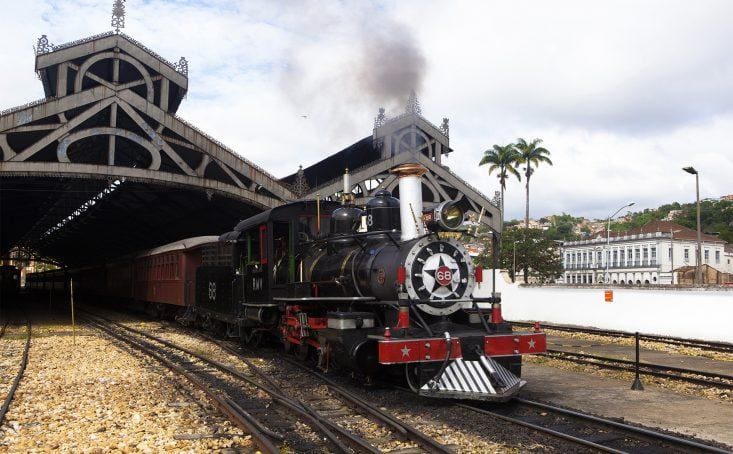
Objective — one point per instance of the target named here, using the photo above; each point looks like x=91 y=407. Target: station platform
x=654 y=407
x=621 y=351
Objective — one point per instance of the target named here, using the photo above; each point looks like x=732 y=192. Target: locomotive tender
x=378 y=291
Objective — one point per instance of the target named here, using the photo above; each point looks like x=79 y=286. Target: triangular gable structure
x=406 y=138
x=110 y=109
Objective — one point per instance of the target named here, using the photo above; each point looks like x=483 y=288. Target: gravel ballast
x=96 y=396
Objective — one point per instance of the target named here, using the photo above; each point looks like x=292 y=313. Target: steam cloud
x=392 y=65
x=369 y=65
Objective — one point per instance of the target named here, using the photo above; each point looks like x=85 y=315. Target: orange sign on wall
x=609 y=296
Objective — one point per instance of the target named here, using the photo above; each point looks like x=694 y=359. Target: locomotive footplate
x=469 y=370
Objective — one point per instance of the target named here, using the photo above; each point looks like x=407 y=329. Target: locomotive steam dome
x=345 y=220
x=383 y=212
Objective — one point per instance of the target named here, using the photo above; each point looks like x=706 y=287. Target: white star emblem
x=531 y=344
x=405 y=351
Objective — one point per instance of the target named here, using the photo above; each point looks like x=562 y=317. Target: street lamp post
x=698 y=255
x=608 y=240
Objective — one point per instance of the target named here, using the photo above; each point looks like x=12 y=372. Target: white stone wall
x=700 y=314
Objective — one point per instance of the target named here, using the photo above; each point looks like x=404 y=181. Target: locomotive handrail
x=327 y=298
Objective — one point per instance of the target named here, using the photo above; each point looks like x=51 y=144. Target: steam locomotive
x=378 y=290
x=375 y=290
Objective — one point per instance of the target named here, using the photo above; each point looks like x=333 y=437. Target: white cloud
x=623 y=93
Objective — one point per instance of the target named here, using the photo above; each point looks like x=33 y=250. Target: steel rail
x=324 y=425
x=628 y=427
x=406 y=430
x=724 y=347
x=411 y=432
x=270 y=382
x=538 y=428
x=21 y=371
x=644 y=368
x=243 y=420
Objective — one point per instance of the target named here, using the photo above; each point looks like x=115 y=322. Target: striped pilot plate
x=484 y=379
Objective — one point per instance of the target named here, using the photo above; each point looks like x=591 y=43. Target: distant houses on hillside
x=660 y=252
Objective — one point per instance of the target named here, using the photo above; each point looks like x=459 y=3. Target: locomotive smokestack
x=410 y=199
x=347 y=198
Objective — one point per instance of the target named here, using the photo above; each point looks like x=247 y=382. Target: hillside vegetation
x=716 y=217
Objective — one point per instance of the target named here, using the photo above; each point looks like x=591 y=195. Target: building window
x=622 y=253
x=670 y=253
x=598 y=257
x=707 y=255
x=687 y=254
x=717 y=256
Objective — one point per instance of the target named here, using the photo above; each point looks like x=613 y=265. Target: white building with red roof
x=643 y=256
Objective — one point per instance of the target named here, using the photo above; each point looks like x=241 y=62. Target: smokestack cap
x=409 y=169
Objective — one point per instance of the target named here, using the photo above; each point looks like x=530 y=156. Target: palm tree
x=502 y=158
x=530 y=153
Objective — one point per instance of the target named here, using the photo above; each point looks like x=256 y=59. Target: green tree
x=503 y=159
x=530 y=154
x=534 y=252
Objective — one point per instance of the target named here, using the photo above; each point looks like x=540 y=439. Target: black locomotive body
x=341 y=285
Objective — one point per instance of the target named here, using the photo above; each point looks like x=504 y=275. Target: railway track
x=590 y=431
x=326 y=414
x=658 y=370
x=21 y=369
x=723 y=347
x=194 y=373
x=350 y=400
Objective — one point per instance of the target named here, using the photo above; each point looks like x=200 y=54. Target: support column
x=164 y=88
x=116 y=67
x=61 y=80
x=112 y=137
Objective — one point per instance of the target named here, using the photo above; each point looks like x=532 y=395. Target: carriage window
x=282 y=252
x=263 y=244
x=251 y=252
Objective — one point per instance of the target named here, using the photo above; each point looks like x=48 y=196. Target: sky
x=623 y=93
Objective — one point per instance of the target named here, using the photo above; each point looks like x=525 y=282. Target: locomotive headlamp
x=445 y=216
